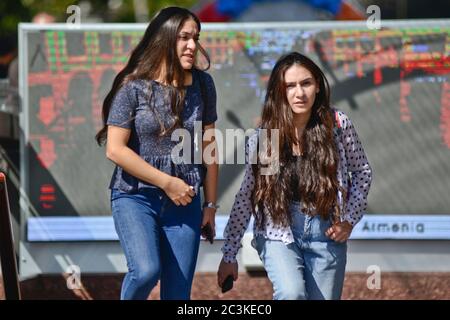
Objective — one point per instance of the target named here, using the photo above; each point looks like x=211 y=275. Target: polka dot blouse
x=354 y=174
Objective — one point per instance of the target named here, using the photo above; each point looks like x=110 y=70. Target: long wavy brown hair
x=317 y=170
x=157 y=51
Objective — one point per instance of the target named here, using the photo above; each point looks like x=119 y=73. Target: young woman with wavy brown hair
x=306 y=208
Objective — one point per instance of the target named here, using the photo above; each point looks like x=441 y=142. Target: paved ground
x=433 y=286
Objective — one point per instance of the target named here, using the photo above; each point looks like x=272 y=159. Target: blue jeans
x=312 y=267
x=160 y=241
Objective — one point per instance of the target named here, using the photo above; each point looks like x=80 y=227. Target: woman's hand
x=340 y=231
x=179 y=191
x=225 y=269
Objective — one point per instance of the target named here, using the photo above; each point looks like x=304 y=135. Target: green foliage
x=12 y=12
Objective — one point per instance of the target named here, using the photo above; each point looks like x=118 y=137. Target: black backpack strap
x=202 y=87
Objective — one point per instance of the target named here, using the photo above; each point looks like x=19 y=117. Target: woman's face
x=301 y=89
x=187 y=43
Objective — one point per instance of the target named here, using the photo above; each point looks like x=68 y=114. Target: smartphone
x=227 y=285
x=207 y=232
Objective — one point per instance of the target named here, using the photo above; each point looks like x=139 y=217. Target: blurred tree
x=11 y=13
x=14 y=11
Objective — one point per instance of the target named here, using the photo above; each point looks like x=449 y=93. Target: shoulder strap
x=202 y=88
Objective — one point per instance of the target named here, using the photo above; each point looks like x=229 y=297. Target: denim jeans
x=312 y=267
x=160 y=242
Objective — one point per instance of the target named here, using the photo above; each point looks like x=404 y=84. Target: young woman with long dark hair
x=305 y=210
x=155 y=200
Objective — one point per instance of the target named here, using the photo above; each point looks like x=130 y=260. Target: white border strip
x=208 y=26
x=101 y=228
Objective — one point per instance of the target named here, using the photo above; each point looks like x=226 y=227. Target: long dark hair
x=317 y=171
x=157 y=50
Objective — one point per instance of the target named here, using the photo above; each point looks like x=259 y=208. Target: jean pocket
x=258 y=243
x=115 y=193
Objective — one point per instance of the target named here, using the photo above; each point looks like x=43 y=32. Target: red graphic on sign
x=47 y=155
x=405 y=90
x=47 y=110
x=445 y=115
x=47 y=194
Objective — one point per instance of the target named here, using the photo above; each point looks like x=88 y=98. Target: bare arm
x=211 y=179
x=210 y=184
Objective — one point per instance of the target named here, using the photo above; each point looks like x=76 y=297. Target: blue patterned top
x=140 y=105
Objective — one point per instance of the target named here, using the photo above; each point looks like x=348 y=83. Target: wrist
x=229 y=258
x=348 y=227
x=348 y=223
x=164 y=181
x=210 y=205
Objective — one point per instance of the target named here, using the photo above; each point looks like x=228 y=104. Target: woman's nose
x=191 y=44
x=299 y=90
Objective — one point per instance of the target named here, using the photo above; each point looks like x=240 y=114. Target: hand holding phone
x=227 y=285
x=207 y=232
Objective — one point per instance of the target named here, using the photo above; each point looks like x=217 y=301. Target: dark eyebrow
x=304 y=80
x=188 y=33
